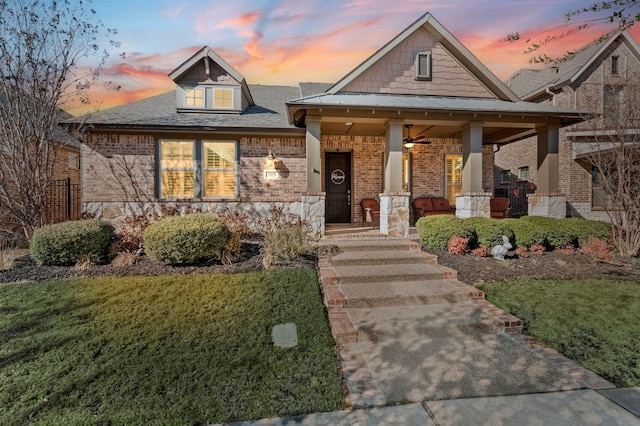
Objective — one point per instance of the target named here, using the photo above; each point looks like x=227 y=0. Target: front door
x=337 y=185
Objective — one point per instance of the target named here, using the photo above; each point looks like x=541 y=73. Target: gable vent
x=423 y=66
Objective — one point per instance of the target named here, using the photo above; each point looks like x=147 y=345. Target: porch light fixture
x=408 y=145
x=272 y=162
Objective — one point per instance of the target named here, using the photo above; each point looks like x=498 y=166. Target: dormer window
x=223 y=98
x=194 y=97
x=208 y=97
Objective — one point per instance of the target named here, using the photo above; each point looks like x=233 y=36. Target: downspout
x=553 y=95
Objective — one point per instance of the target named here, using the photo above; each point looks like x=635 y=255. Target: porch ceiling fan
x=409 y=141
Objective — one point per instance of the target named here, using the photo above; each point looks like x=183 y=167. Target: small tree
x=613 y=151
x=614 y=14
x=42 y=45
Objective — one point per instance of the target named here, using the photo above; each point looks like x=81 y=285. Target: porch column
x=314 y=183
x=547 y=200
x=473 y=201
x=394 y=202
x=313 y=201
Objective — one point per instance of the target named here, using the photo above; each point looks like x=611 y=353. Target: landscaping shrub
x=557 y=232
x=522 y=252
x=536 y=249
x=597 y=249
x=489 y=231
x=482 y=251
x=436 y=231
x=525 y=233
x=285 y=237
x=68 y=243
x=458 y=245
x=186 y=239
x=584 y=229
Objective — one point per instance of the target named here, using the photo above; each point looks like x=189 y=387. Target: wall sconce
x=272 y=162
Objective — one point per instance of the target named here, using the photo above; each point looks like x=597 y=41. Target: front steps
x=388 y=289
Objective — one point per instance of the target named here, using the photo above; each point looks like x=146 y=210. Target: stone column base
x=394 y=214
x=548 y=205
x=473 y=205
x=313 y=212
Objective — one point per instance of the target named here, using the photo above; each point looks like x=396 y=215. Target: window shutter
x=423 y=66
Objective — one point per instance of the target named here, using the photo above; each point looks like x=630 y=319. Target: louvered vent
x=423 y=66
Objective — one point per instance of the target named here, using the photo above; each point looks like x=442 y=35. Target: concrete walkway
x=419 y=347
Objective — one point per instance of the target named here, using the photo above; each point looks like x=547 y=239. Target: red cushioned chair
x=370 y=210
x=500 y=207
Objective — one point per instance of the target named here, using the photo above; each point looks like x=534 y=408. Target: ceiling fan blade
x=418 y=138
x=422 y=142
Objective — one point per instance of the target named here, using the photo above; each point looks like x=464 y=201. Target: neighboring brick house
x=64 y=201
x=591 y=80
x=317 y=150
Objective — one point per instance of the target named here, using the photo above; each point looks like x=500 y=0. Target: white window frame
x=198 y=169
x=192 y=95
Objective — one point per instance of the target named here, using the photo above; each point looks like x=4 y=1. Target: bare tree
x=613 y=151
x=42 y=46
x=614 y=14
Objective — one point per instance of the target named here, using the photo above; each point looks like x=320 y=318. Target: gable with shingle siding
x=395 y=73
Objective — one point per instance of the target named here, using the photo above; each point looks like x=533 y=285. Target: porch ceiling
x=432 y=117
x=492 y=132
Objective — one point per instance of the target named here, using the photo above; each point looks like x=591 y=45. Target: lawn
x=180 y=349
x=595 y=322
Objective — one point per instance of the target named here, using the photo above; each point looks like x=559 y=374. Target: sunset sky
x=283 y=42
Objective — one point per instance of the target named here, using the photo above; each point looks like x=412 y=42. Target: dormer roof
x=211 y=61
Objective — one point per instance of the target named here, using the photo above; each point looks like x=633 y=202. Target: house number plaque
x=337 y=177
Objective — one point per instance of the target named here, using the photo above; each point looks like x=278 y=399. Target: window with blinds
x=197 y=169
x=453 y=176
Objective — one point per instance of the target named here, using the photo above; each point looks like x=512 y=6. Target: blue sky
x=286 y=41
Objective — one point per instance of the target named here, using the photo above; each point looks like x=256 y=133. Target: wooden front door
x=337 y=181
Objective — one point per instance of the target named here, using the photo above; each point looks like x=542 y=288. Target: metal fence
x=516 y=192
x=64 y=201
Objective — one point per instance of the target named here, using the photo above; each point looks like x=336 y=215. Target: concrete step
x=408 y=293
x=387 y=273
x=373 y=244
x=428 y=321
x=353 y=258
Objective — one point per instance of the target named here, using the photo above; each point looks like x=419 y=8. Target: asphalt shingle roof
x=308 y=89
x=527 y=82
x=430 y=103
x=269 y=112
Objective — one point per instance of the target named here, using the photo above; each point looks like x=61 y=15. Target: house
x=420 y=117
x=594 y=79
x=63 y=196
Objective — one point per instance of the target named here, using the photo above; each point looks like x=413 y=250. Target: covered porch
x=395 y=148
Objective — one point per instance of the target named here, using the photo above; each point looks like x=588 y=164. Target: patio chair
x=370 y=210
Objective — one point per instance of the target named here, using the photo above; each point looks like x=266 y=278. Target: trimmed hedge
x=436 y=231
x=584 y=230
x=489 y=231
x=186 y=239
x=525 y=234
x=68 y=243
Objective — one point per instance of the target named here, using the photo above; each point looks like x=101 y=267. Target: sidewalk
x=418 y=347
x=571 y=408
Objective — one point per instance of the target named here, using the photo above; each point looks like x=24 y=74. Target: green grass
x=594 y=322
x=188 y=349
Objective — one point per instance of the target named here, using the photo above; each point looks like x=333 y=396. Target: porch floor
x=355 y=230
